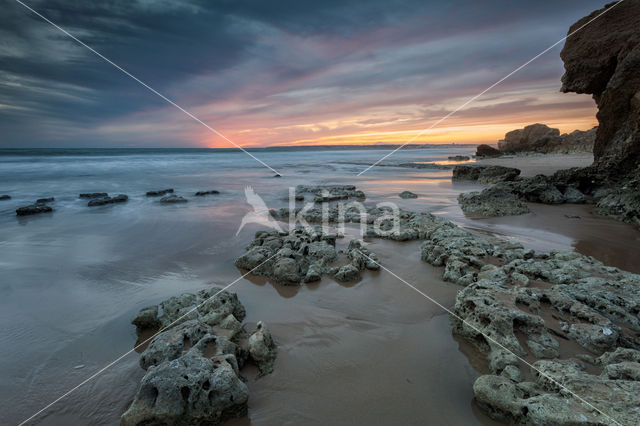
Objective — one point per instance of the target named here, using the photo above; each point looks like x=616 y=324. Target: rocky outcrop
x=536 y=138
x=304 y=255
x=193 y=364
x=93 y=195
x=603 y=61
x=5 y=197
x=487 y=151
x=485 y=174
x=459 y=158
x=544 y=139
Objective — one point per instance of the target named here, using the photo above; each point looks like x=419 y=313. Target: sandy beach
x=344 y=350
x=539 y=164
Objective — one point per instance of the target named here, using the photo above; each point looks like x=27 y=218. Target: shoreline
x=190 y=241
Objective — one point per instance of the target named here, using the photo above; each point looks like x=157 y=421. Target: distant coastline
x=129 y=151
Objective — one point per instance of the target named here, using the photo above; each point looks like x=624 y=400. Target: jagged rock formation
x=193 y=365
x=544 y=139
x=603 y=60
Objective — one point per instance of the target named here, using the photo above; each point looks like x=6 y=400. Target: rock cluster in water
x=305 y=255
x=193 y=364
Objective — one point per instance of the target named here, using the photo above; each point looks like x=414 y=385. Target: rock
x=190 y=390
x=172 y=199
x=286 y=271
x=147 y=319
x=159 y=192
x=94 y=195
x=203 y=193
x=5 y=197
x=328 y=193
x=577 y=141
x=193 y=363
x=459 y=158
x=407 y=194
x=262 y=349
x=534 y=138
x=574 y=196
x=466 y=172
x=603 y=62
x=541 y=138
x=314 y=273
x=487 y=151
x=485 y=174
x=492 y=201
x=277 y=175
x=33 y=209
x=45 y=200
x=347 y=273
x=107 y=200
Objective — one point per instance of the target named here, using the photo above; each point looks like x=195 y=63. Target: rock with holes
x=194 y=389
x=193 y=361
x=582 y=398
x=262 y=349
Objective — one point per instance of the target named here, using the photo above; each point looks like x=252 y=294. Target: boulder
x=487 y=151
x=534 y=138
x=407 y=194
x=5 y=197
x=262 y=349
x=45 y=200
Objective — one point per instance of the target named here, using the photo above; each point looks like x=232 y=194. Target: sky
x=286 y=72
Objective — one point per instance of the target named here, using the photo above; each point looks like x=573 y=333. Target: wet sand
x=540 y=164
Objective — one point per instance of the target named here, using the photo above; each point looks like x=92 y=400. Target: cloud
x=274 y=73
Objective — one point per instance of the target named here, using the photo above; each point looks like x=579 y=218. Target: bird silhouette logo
x=260 y=213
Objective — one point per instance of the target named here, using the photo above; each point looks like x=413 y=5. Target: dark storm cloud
x=260 y=55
